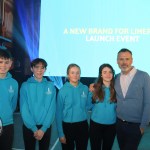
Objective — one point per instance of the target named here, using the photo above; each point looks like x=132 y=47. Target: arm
x=146 y=103
x=89 y=101
x=15 y=97
x=24 y=109
x=59 y=115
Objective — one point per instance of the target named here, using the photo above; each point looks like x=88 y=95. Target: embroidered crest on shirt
x=83 y=94
x=48 y=92
x=11 y=90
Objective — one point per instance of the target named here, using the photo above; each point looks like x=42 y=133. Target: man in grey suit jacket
x=133 y=102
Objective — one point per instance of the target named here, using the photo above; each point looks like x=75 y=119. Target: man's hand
x=91 y=87
x=142 y=130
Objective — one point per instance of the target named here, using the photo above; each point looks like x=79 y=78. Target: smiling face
x=38 y=71
x=124 y=61
x=74 y=75
x=106 y=75
x=5 y=65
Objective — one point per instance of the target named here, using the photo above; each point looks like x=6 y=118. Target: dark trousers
x=30 y=141
x=128 y=135
x=76 y=135
x=6 y=138
x=102 y=136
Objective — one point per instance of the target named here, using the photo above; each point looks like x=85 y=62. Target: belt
x=126 y=122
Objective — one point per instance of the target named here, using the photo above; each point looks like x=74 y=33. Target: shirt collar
x=131 y=73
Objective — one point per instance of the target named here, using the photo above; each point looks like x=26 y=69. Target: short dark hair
x=5 y=54
x=124 y=50
x=37 y=61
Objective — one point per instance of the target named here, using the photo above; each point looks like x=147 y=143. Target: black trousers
x=102 y=136
x=76 y=135
x=6 y=138
x=128 y=135
x=30 y=141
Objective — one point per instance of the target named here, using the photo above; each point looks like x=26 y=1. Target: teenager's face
x=107 y=75
x=74 y=75
x=38 y=71
x=5 y=65
x=124 y=61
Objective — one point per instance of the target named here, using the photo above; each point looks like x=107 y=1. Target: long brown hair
x=98 y=86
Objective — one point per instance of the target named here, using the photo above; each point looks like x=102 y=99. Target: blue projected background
x=90 y=33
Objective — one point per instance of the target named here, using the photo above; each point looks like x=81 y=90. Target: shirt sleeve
x=15 y=97
x=146 y=102
x=89 y=101
x=59 y=115
x=24 y=109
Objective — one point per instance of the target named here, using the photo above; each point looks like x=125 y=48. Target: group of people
x=119 y=105
x=37 y=105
